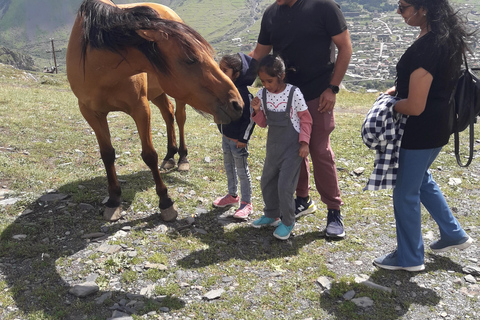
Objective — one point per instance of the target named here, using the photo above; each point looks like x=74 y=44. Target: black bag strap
x=470 y=127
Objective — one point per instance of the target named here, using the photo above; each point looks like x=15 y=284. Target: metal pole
x=54 y=58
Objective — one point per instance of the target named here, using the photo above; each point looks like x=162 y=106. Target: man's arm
x=344 y=45
x=261 y=51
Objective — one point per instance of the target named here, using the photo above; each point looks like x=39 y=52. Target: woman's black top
x=432 y=128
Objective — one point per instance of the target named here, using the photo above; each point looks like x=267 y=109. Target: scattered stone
x=363 y=302
x=84 y=289
x=470 y=279
x=207 y=159
x=53 y=197
x=148 y=290
x=27 y=212
x=359 y=171
x=103 y=298
x=127 y=228
x=107 y=248
x=213 y=294
x=349 y=295
x=454 y=181
x=164 y=309
x=19 y=237
x=368 y=283
x=120 y=234
x=157 y=266
x=93 y=235
x=473 y=270
x=201 y=231
x=9 y=201
x=429 y=236
x=324 y=282
x=190 y=220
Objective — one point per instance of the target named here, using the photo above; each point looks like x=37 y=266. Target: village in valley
x=379 y=39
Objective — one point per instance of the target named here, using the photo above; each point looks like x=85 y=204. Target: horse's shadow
x=405 y=292
x=50 y=230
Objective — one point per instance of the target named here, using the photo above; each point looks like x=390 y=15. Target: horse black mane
x=112 y=28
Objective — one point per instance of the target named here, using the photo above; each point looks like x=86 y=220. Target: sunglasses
x=402 y=8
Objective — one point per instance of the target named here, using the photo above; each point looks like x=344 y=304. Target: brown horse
x=120 y=57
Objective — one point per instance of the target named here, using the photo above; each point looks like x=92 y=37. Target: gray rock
x=93 y=235
x=363 y=302
x=19 y=237
x=324 y=282
x=473 y=270
x=158 y=266
x=106 y=248
x=9 y=201
x=213 y=294
x=370 y=284
x=103 y=298
x=53 y=197
x=470 y=279
x=84 y=289
x=349 y=295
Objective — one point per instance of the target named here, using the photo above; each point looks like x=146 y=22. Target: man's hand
x=327 y=101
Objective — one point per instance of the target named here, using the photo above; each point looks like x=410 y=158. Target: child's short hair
x=272 y=65
x=233 y=61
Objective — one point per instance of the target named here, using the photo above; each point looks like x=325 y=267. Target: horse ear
x=152 y=35
x=148 y=35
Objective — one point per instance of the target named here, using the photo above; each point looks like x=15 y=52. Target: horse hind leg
x=167 y=110
x=150 y=157
x=99 y=125
x=181 y=117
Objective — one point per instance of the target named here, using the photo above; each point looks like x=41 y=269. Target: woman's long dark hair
x=448 y=27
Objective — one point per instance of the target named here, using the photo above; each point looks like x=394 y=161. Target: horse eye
x=191 y=61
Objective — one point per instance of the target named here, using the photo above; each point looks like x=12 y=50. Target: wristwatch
x=335 y=89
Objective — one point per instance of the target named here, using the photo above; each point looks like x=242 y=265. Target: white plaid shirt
x=382 y=131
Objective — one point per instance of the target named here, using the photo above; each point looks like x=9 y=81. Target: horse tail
x=115 y=29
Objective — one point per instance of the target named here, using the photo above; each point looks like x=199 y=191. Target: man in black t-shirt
x=303 y=32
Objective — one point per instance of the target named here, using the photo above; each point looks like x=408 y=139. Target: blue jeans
x=235 y=162
x=415 y=185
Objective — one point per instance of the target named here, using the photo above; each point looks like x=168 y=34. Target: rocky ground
x=56 y=264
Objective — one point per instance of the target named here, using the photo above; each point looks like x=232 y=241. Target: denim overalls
x=282 y=163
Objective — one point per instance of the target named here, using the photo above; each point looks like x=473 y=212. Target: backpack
x=466 y=100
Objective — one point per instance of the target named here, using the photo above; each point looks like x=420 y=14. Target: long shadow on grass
x=388 y=306
x=243 y=243
x=53 y=230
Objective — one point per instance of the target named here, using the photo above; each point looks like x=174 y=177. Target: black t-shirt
x=301 y=35
x=432 y=128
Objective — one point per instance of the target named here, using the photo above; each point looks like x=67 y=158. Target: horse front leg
x=99 y=125
x=150 y=157
x=181 y=117
x=167 y=110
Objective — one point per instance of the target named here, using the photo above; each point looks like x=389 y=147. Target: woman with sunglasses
x=426 y=75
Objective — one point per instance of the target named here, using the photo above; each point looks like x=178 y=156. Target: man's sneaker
x=334 y=224
x=304 y=206
x=389 y=262
x=244 y=211
x=228 y=200
x=266 y=222
x=283 y=232
x=442 y=246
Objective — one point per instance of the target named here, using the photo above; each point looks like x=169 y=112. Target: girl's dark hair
x=448 y=27
x=272 y=65
x=233 y=61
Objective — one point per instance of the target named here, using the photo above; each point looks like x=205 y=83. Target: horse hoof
x=168 y=164
x=112 y=214
x=168 y=214
x=183 y=165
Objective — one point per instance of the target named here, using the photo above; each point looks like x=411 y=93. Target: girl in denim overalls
x=282 y=107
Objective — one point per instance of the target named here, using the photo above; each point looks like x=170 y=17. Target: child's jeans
x=235 y=162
